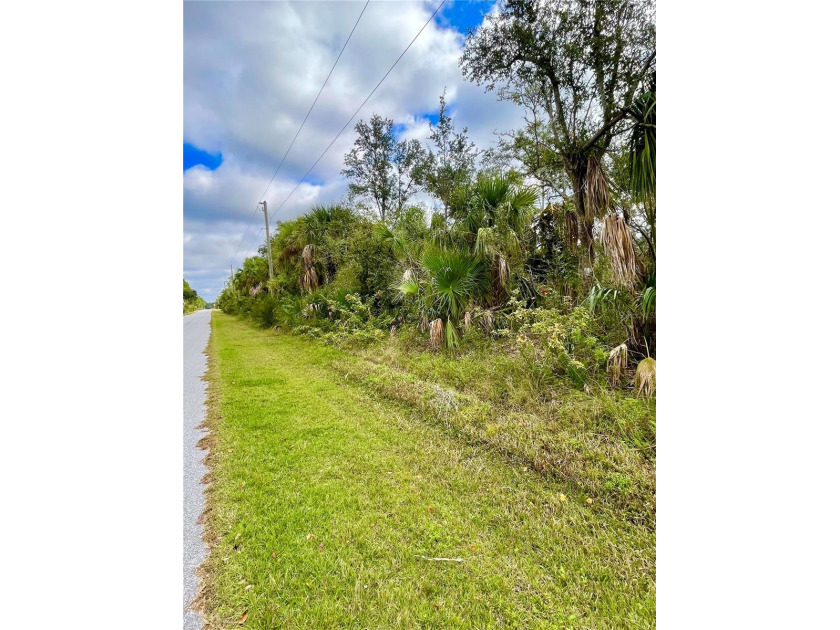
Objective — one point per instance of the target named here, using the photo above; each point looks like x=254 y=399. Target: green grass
x=324 y=493
x=602 y=441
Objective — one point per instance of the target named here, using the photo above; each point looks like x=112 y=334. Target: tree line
x=192 y=301
x=549 y=237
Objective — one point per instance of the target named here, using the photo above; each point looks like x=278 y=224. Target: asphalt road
x=196 y=334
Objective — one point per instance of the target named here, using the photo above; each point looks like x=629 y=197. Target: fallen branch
x=441 y=559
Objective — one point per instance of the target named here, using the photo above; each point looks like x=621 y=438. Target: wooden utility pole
x=268 y=242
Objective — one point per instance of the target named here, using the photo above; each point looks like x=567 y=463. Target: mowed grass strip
x=324 y=499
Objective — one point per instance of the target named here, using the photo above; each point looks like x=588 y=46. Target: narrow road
x=196 y=334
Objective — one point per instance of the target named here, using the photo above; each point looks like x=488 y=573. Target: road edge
x=212 y=416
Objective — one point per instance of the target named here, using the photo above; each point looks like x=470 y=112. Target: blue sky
x=464 y=14
x=193 y=156
x=460 y=14
x=247 y=88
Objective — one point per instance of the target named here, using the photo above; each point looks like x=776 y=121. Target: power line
x=359 y=109
x=311 y=107
x=246 y=232
x=352 y=117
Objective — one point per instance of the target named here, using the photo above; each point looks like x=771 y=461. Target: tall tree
x=408 y=162
x=381 y=169
x=451 y=160
x=583 y=62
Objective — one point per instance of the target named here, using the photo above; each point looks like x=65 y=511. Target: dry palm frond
x=307 y=255
x=597 y=189
x=572 y=235
x=424 y=323
x=618 y=242
x=436 y=333
x=646 y=377
x=487 y=321
x=310 y=279
x=467 y=319
x=408 y=275
x=485 y=241
x=255 y=290
x=617 y=363
x=504 y=271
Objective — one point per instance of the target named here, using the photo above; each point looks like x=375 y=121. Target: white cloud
x=251 y=71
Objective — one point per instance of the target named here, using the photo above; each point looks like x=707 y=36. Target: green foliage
x=382 y=169
x=566 y=343
x=265 y=311
x=326 y=464
x=189 y=292
x=491 y=263
x=524 y=298
x=448 y=166
x=454 y=279
x=648 y=302
x=192 y=301
x=374 y=261
x=443 y=286
x=643 y=145
x=577 y=66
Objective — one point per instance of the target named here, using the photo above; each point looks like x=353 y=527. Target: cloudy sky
x=251 y=72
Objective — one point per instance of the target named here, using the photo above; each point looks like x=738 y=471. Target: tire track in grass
x=325 y=499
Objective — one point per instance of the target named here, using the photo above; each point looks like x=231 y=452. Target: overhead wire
x=311 y=107
x=357 y=110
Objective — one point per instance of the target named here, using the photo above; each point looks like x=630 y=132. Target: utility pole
x=268 y=242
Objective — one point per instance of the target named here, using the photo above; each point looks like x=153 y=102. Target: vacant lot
x=333 y=506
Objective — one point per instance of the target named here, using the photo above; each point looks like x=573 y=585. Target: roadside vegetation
x=192 y=301
x=332 y=506
x=500 y=343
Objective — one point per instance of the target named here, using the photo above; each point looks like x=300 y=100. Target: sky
x=251 y=72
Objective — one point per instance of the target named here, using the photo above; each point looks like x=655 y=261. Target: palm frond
x=647 y=302
x=597 y=189
x=646 y=377
x=485 y=241
x=618 y=243
x=599 y=295
x=307 y=255
x=643 y=146
x=451 y=335
x=436 y=333
x=617 y=363
x=487 y=321
x=409 y=287
x=456 y=277
x=504 y=270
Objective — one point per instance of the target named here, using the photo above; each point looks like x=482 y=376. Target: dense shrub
x=265 y=311
x=563 y=342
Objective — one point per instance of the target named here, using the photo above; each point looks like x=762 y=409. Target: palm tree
x=498 y=212
x=443 y=287
x=643 y=146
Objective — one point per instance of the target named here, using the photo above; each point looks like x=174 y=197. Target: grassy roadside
x=602 y=442
x=324 y=497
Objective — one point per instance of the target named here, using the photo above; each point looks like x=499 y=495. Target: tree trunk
x=578 y=177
